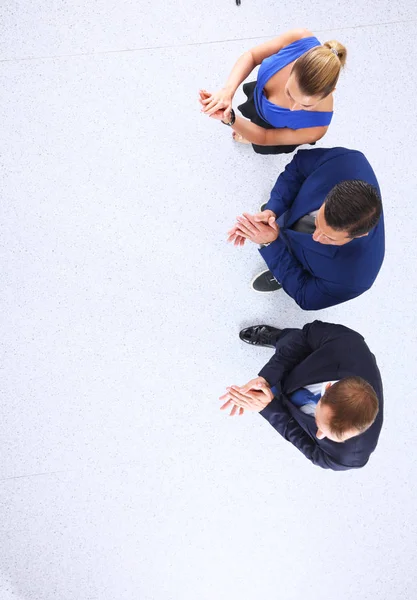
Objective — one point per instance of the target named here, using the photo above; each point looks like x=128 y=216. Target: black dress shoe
x=265 y=282
x=260 y=335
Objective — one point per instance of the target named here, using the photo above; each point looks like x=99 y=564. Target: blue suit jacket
x=320 y=352
x=314 y=274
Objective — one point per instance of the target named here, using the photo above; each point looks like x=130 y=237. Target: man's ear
x=328 y=386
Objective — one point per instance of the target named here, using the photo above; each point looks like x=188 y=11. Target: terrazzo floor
x=121 y=304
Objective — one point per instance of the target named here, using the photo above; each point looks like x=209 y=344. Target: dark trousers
x=248 y=110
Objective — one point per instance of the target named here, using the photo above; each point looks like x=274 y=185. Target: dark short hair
x=353 y=206
x=354 y=405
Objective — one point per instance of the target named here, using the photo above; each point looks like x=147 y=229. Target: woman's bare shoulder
x=326 y=105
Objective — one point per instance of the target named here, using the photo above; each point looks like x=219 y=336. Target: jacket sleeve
x=319 y=333
x=281 y=419
x=292 y=178
x=309 y=292
x=294 y=345
x=292 y=348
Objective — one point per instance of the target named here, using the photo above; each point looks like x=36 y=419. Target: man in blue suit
x=322 y=230
x=321 y=390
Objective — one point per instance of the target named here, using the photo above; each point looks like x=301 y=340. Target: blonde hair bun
x=317 y=71
x=338 y=49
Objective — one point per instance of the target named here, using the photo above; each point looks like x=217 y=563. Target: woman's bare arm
x=259 y=53
x=222 y=99
x=277 y=137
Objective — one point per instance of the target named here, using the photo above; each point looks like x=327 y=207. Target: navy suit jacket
x=314 y=274
x=320 y=352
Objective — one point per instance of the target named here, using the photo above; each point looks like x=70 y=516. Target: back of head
x=318 y=70
x=353 y=403
x=353 y=206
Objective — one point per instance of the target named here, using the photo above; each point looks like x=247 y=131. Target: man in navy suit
x=322 y=391
x=322 y=230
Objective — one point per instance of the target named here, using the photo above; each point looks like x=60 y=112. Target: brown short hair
x=354 y=405
x=318 y=70
x=353 y=206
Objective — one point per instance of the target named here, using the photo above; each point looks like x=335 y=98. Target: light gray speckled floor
x=121 y=304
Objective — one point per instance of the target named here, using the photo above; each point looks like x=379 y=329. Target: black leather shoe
x=265 y=282
x=260 y=335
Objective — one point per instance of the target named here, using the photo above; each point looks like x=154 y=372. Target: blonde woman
x=291 y=103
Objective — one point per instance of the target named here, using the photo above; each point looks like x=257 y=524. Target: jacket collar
x=306 y=240
x=328 y=374
x=287 y=220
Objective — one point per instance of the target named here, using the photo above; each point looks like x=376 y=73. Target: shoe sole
x=259 y=292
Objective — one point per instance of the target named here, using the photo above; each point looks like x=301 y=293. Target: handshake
x=261 y=228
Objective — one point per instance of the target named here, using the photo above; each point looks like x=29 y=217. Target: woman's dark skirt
x=248 y=110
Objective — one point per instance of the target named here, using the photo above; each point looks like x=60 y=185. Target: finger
x=248 y=386
x=250 y=395
x=241 y=411
x=206 y=109
x=267 y=393
x=210 y=108
x=211 y=105
x=245 y=227
x=247 y=398
x=241 y=403
x=236 y=394
x=255 y=227
x=228 y=113
x=218 y=115
x=261 y=217
x=243 y=233
x=226 y=396
x=210 y=111
x=255 y=384
x=237 y=238
x=255 y=224
x=250 y=226
x=227 y=405
x=234 y=410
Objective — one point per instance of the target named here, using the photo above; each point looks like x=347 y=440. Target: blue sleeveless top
x=275 y=115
